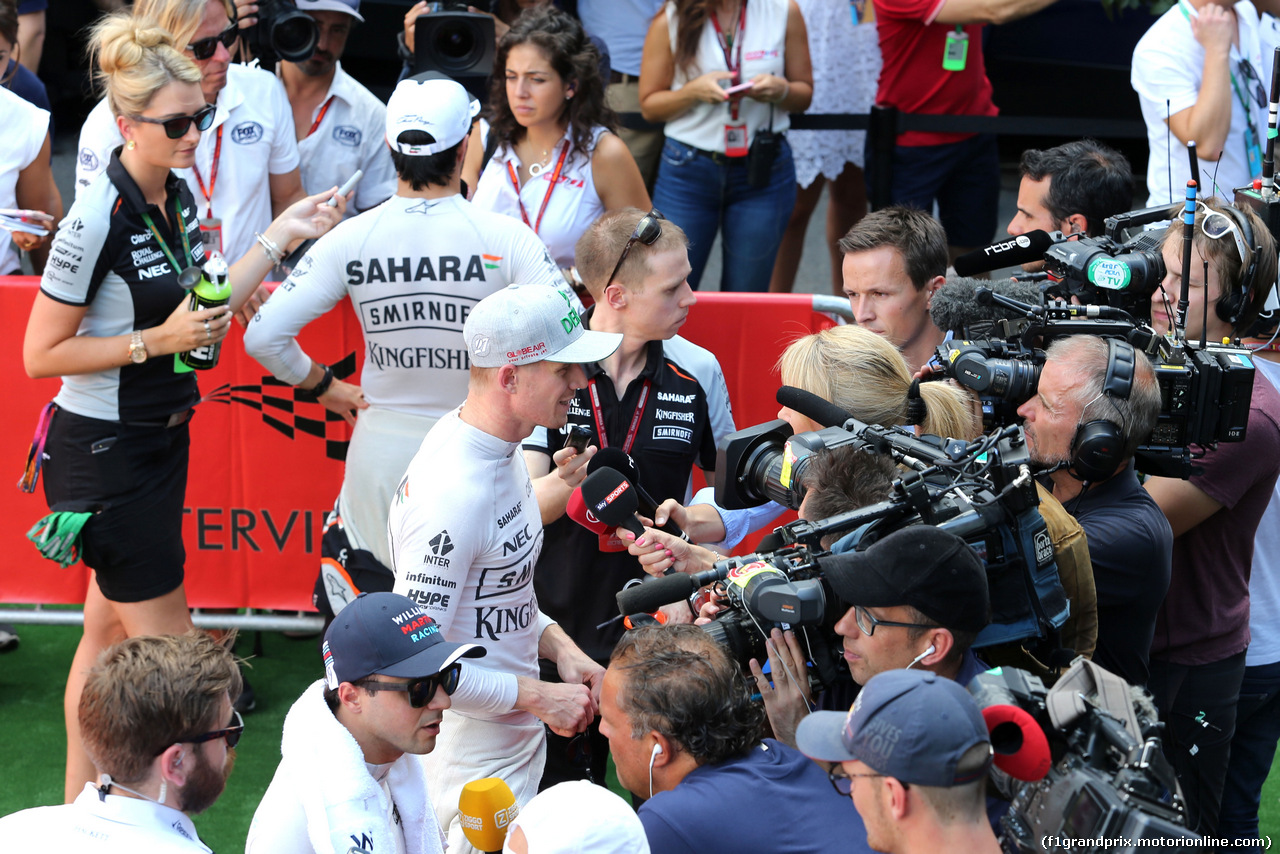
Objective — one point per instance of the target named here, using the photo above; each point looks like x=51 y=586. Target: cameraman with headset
x=1202 y=630
x=1096 y=401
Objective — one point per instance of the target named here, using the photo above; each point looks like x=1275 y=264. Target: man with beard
x=156 y=719
x=337 y=121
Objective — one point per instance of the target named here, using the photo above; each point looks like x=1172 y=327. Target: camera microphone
x=612 y=499
x=812 y=406
x=956 y=307
x=652 y=593
x=1015 y=251
x=623 y=463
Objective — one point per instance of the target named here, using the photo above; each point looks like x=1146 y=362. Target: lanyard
x=555 y=179
x=182 y=229
x=635 y=418
x=734 y=66
x=213 y=177
x=319 y=116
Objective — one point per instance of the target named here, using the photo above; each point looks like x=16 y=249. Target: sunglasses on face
x=231 y=733
x=648 y=230
x=206 y=48
x=421 y=691
x=176 y=127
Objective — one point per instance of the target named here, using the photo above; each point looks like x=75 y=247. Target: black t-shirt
x=686 y=412
x=1131 y=547
x=107 y=258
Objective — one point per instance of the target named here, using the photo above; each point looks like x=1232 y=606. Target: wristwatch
x=137 y=349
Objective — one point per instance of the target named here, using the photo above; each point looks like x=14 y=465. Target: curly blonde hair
x=135 y=60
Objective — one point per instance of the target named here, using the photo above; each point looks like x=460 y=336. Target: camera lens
x=294 y=36
x=1012 y=380
x=455 y=46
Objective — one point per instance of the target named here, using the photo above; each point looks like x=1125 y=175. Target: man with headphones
x=1202 y=630
x=1096 y=400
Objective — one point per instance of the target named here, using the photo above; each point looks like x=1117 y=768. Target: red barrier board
x=266 y=467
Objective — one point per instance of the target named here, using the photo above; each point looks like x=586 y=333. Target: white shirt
x=413 y=269
x=257 y=142
x=1168 y=63
x=763 y=52
x=25 y=127
x=574 y=202
x=349 y=137
x=465 y=533
x=91 y=825
x=1264 y=580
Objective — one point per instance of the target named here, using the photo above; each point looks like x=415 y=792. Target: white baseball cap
x=579 y=817
x=351 y=7
x=434 y=104
x=532 y=323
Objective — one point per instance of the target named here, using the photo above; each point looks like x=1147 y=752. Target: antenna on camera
x=1195 y=163
x=1268 y=157
x=1188 y=236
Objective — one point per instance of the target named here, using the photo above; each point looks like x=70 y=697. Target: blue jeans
x=1252 y=749
x=703 y=196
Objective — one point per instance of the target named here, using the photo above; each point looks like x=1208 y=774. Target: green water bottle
x=211 y=290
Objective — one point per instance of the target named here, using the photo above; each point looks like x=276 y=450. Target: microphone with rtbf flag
x=486 y=809
x=1023 y=249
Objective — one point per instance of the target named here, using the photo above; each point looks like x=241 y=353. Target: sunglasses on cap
x=421 y=690
x=206 y=48
x=648 y=230
x=231 y=733
x=176 y=127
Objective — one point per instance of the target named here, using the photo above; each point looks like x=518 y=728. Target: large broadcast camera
x=1082 y=763
x=282 y=32
x=980 y=491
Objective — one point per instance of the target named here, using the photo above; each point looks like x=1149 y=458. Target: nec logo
x=347 y=135
x=246 y=133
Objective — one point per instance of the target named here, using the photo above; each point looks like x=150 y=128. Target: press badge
x=1253 y=150
x=211 y=233
x=956 y=51
x=735 y=140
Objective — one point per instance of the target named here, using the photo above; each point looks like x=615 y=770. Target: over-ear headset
x=1098 y=446
x=1234 y=304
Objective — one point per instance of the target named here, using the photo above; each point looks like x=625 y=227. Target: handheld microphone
x=487 y=807
x=612 y=499
x=955 y=306
x=578 y=512
x=651 y=594
x=623 y=463
x=1022 y=249
x=811 y=406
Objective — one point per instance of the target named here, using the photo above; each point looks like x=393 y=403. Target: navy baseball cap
x=932 y=570
x=389 y=634
x=912 y=725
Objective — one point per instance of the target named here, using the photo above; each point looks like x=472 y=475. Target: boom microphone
x=623 y=463
x=1013 y=252
x=612 y=499
x=486 y=808
x=811 y=406
x=578 y=512
x=955 y=307
x=652 y=593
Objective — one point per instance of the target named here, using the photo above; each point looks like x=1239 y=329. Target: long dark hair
x=574 y=58
x=691 y=17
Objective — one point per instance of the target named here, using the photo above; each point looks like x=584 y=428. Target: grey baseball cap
x=351 y=7
x=521 y=324
x=913 y=725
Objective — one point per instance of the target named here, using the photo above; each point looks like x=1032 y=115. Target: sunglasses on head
x=421 y=690
x=206 y=48
x=176 y=127
x=1218 y=225
x=648 y=230
x=231 y=733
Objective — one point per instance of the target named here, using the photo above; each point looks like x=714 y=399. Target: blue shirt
x=719 y=808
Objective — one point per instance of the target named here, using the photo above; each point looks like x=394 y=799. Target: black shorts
x=133 y=479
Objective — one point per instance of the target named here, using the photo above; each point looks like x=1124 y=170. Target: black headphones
x=1234 y=304
x=1098 y=446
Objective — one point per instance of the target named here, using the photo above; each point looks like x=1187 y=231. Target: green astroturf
x=33 y=743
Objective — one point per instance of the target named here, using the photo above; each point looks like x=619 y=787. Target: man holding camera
x=337 y=121
x=658 y=398
x=465 y=531
x=246 y=169
x=1202 y=630
x=349 y=769
x=913 y=754
x=684 y=734
x=1096 y=401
